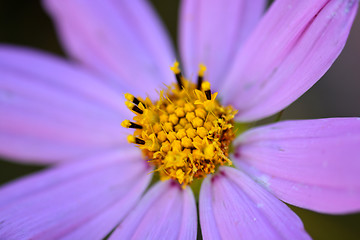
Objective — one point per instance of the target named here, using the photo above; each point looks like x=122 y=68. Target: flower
x=69 y=113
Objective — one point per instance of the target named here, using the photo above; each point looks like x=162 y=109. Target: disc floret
x=186 y=133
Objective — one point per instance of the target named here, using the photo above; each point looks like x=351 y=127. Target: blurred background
x=337 y=94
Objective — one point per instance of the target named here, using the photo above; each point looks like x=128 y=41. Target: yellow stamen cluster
x=185 y=134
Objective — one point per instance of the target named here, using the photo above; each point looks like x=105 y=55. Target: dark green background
x=24 y=22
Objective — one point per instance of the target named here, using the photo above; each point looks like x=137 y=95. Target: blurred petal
x=211 y=32
x=33 y=183
x=313 y=164
x=68 y=201
x=293 y=46
x=165 y=212
x=233 y=206
x=51 y=110
x=124 y=40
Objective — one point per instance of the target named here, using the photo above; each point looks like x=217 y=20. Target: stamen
x=132 y=139
x=201 y=72
x=206 y=87
x=134 y=108
x=186 y=133
x=132 y=99
x=128 y=124
x=178 y=75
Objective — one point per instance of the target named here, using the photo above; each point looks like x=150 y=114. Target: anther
x=132 y=139
x=132 y=99
x=128 y=124
x=206 y=88
x=134 y=108
x=201 y=72
x=178 y=75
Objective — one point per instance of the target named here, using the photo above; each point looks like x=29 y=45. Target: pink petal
x=123 y=40
x=233 y=206
x=51 y=110
x=63 y=171
x=66 y=201
x=313 y=164
x=165 y=212
x=211 y=32
x=293 y=46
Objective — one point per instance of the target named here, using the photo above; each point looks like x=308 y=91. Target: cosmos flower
x=68 y=113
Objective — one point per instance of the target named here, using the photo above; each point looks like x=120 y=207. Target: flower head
x=184 y=124
x=186 y=134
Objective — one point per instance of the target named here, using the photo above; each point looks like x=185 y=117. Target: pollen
x=186 y=133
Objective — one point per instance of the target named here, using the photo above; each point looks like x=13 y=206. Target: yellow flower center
x=185 y=134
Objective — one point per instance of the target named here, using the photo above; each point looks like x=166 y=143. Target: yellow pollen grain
x=201 y=113
x=185 y=134
x=208 y=125
x=168 y=126
x=191 y=132
x=173 y=119
x=189 y=107
x=180 y=103
x=171 y=136
x=187 y=126
x=176 y=146
x=170 y=108
x=197 y=122
x=157 y=127
x=162 y=136
x=181 y=133
x=177 y=127
x=202 y=132
x=165 y=147
x=183 y=122
x=190 y=116
x=164 y=118
x=180 y=112
x=186 y=142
